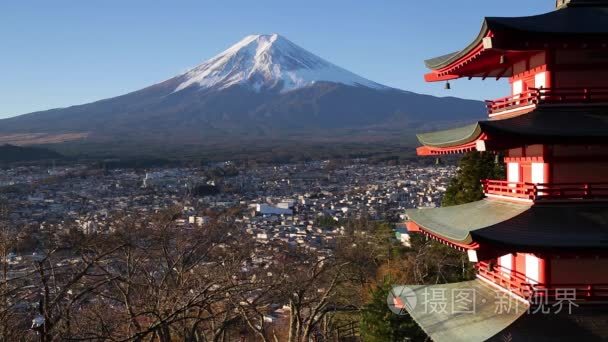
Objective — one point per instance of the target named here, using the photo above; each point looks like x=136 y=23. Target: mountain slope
x=10 y=153
x=263 y=86
x=268 y=62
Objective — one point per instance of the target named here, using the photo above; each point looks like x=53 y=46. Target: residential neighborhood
x=302 y=204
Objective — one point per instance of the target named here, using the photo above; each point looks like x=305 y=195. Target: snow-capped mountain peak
x=268 y=62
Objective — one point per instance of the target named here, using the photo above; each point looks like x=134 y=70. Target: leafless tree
x=12 y=319
x=146 y=278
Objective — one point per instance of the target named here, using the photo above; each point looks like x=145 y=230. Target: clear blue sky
x=59 y=53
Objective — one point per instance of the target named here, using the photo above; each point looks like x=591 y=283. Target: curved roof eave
x=481 y=324
x=547 y=124
x=456 y=223
x=451 y=137
x=445 y=60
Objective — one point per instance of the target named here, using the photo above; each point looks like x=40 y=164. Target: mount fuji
x=269 y=62
x=262 y=87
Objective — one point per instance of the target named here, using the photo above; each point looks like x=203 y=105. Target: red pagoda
x=540 y=237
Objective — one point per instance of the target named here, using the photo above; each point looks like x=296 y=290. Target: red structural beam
x=413 y=227
x=437 y=151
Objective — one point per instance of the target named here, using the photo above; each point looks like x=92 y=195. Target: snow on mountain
x=308 y=98
x=268 y=62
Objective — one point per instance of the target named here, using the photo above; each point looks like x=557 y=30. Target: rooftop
x=492 y=315
x=571 y=21
x=563 y=124
x=480 y=324
x=522 y=225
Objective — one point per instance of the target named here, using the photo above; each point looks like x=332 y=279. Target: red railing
x=570 y=191
x=536 y=96
x=582 y=292
x=546 y=191
x=519 y=284
x=525 y=98
x=515 y=282
x=572 y=95
x=505 y=188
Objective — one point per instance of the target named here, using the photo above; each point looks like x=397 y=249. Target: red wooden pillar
x=549 y=61
x=542 y=269
x=546 y=173
x=547 y=268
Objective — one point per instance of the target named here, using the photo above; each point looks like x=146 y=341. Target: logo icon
x=401 y=299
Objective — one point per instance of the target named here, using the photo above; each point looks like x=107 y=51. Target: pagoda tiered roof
x=543 y=125
x=445 y=325
x=577 y=25
x=552 y=210
x=510 y=224
x=492 y=315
